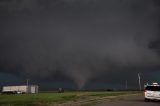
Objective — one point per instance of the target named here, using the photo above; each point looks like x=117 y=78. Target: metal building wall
x=24 y=88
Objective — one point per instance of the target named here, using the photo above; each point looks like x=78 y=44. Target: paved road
x=130 y=101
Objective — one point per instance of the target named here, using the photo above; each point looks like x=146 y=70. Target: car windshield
x=153 y=88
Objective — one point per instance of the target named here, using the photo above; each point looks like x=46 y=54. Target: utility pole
x=139 y=81
x=126 y=85
x=27 y=83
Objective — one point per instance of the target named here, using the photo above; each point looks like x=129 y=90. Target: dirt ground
x=137 y=100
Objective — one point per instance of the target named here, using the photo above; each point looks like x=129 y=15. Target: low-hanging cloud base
x=80 y=39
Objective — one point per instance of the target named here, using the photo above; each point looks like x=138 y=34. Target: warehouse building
x=20 y=89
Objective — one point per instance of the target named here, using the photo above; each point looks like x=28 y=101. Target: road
x=130 y=101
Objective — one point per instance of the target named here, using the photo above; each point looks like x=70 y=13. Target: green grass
x=31 y=99
x=47 y=98
x=104 y=94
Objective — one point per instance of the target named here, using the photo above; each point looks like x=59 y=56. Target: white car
x=18 y=92
x=152 y=92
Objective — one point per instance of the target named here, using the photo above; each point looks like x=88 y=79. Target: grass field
x=44 y=99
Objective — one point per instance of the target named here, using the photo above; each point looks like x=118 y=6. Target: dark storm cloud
x=82 y=39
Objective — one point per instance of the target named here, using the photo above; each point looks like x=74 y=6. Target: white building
x=21 y=88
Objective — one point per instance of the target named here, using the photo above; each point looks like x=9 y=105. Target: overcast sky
x=79 y=43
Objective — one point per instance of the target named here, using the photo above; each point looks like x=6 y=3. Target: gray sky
x=80 y=42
